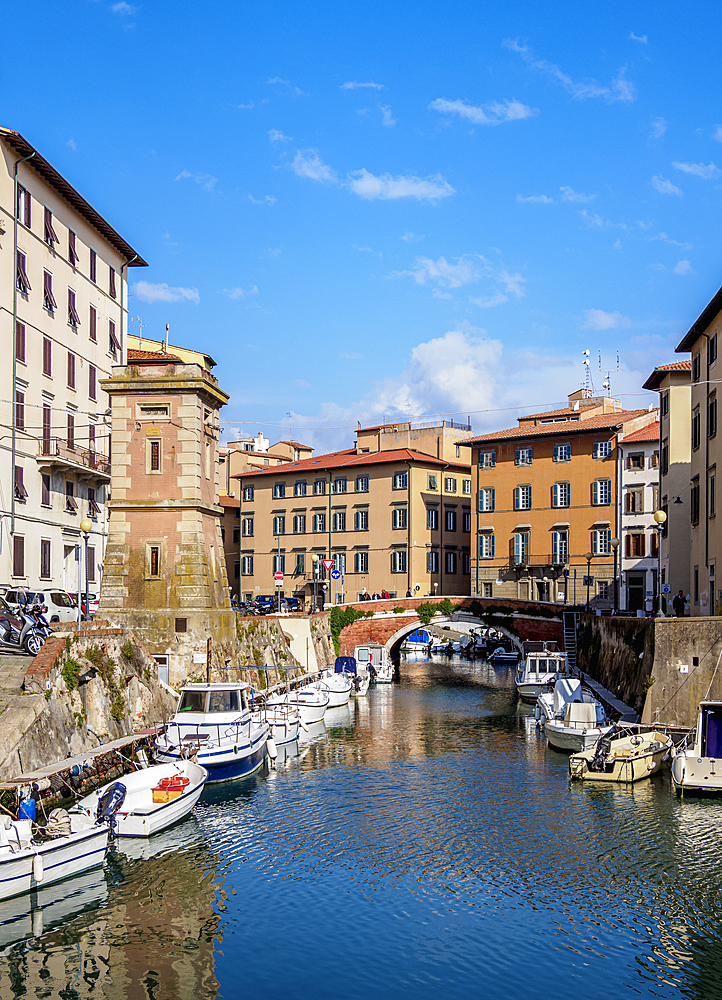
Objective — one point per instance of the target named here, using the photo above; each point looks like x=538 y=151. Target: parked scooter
x=37 y=613
x=21 y=633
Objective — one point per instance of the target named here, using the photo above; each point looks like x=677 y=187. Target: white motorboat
x=311 y=701
x=375 y=659
x=697 y=762
x=214 y=725
x=627 y=753
x=360 y=679
x=284 y=722
x=155 y=798
x=503 y=655
x=541 y=669
x=28 y=862
x=338 y=686
x=572 y=718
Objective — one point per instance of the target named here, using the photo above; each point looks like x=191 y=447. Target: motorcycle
x=21 y=633
x=37 y=613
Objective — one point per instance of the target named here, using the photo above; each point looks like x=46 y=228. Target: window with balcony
x=487 y=499
x=400 y=481
x=432 y=519
x=563 y=452
x=521 y=545
x=299 y=488
x=522 y=498
x=362 y=484
x=487 y=545
x=560 y=547
x=450 y=520
x=339 y=520
x=361 y=562
x=524 y=456
x=248 y=492
x=398 y=561
x=561 y=495
x=399 y=517
x=601 y=492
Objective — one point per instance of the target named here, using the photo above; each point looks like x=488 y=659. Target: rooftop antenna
x=140 y=323
x=589 y=389
x=608 y=372
x=165 y=342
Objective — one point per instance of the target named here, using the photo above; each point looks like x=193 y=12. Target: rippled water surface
x=426 y=843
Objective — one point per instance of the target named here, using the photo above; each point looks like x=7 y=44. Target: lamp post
x=86 y=527
x=660 y=516
x=588 y=557
x=278 y=582
x=314 y=565
x=615 y=546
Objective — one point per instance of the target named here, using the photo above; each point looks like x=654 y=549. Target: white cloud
x=486 y=114
x=267 y=199
x=148 y=292
x=71 y=143
x=350 y=355
x=598 y=319
x=467 y=270
x=617 y=244
x=706 y=171
x=665 y=239
x=287 y=83
x=540 y=199
x=386 y=187
x=387 y=118
x=303 y=384
x=683 y=267
x=637 y=38
x=488 y=303
x=575 y=196
x=717 y=134
x=664 y=186
x=659 y=127
x=123 y=8
x=597 y=222
x=411 y=238
x=277 y=79
x=353 y=85
x=245 y=107
x=619 y=90
x=275 y=136
x=307 y=163
x=240 y=293
x=205 y=180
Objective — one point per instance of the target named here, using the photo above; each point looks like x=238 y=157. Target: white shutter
x=595 y=492
x=517 y=548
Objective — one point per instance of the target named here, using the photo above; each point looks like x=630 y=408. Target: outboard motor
x=109 y=803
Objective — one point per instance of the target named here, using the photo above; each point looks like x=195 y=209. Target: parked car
x=60 y=605
x=93 y=602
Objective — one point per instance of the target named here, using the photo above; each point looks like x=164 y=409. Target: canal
x=426 y=844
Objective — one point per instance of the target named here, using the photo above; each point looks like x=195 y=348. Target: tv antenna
x=608 y=372
x=589 y=389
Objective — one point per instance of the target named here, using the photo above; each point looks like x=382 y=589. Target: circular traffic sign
x=336 y=574
x=278 y=575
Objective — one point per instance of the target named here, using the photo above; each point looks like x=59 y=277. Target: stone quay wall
x=687 y=668
x=619 y=653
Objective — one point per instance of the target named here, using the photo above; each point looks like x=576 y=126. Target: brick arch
x=394 y=641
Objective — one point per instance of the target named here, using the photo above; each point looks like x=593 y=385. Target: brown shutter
x=71 y=431
x=91 y=383
x=20 y=410
x=18 y=555
x=20 y=341
x=72 y=251
x=47 y=428
x=112 y=282
x=71 y=370
x=47 y=356
x=93 y=323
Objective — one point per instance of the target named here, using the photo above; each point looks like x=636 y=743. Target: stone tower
x=164 y=573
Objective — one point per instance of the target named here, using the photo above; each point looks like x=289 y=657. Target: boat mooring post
x=208 y=660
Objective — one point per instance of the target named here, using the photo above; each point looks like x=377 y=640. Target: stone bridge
x=519 y=620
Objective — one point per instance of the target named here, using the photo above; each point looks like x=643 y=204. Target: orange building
x=547 y=499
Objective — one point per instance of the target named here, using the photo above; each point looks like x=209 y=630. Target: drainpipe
x=122 y=268
x=15 y=334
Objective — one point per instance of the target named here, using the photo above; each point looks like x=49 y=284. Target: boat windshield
x=192 y=701
x=363 y=655
x=223 y=701
x=542 y=666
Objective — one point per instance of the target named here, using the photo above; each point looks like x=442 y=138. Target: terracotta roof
x=295 y=444
x=603 y=421
x=225 y=501
x=655 y=379
x=350 y=458
x=648 y=433
x=157 y=356
x=565 y=411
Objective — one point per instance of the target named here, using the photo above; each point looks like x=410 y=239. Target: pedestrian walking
x=678 y=604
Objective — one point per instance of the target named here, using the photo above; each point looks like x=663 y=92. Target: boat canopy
x=581 y=713
x=566 y=690
x=345 y=665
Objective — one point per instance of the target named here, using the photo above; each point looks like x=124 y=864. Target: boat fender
x=235 y=749
x=272 y=748
x=38 y=873
x=537 y=713
x=303 y=725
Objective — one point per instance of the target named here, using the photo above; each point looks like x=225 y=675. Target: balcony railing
x=59 y=450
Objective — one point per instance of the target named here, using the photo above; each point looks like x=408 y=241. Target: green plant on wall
x=127 y=651
x=70 y=673
x=339 y=618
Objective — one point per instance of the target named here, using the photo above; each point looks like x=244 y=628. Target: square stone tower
x=165 y=573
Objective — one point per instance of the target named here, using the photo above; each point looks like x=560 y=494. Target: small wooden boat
x=503 y=655
x=626 y=754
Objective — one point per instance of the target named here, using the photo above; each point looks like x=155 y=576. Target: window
x=93 y=266
x=635 y=462
x=247 y=565
x=487 y=545
x=71 y=370
x=466 y=486
x=339 y=561
x=466 y=521
x=450 y=562
x=664 y=461
x=602 y=449
x=154 y=455
x=563 y=452
x=21 y=278
x=279 y=491
x=450 y=484
x=487 y=459
x=21 y=493
x=93 y=508
x=487 y=499
x=24 y=207
x=319 y=522
x=522 y=498
x=300 y=567
x=654 y=460
x=488 y=592
x=19 y=410
x=601 y=492
x=72 y=248
x=560 y=547
x=695 y=428
x=279 y=524
x=561 y=495
x=47 y=428
x=248 y=492
x=93 y=325
x=361 y=520
x=279 y=563
x=450 y=520
x=339 y=520
x=524 y=456
x=154 y=560
x=695 y=368
x=73 y=318
x=45 y=498
x=432 y=561
x=360 y=562
x=49 y=302
x=247 y=527
x=655 y=496
x=603 y=590
x=339 y=485
x=711 y=496
x=92 y=382
x=712 y=415
x=602 y=542
x=694 y=501
x=635 y=545
x=18 y=555
x=44 y=558
x=634 y=500
x=458 y=451
x=432 y=481
x=113 y=345
x=466 y=562
x=398 y=561
x=432 y=519
x=111 y=282
x=319 y=487
x=299 y=489
x=521 y=547
x=401 y=480
x=20 y=341
x=299 y=524
x=654 y=546
x=362 y=484
x=399 y=517
x=712 y=349
x=664 y=404
x=70 y=502
x=50 y=235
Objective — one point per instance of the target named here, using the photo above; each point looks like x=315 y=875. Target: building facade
x=63 y=275
x=546 y=510
x=638 y=531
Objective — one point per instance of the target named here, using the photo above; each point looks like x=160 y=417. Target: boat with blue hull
x=215 y=726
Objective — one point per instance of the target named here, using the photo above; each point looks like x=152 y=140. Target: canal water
x=427 y=843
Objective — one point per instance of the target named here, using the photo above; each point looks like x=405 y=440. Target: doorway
x=635 y=592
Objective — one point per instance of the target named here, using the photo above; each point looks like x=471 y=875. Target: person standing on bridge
x=678 y=604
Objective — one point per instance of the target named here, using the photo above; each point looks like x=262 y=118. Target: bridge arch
x=393 y=643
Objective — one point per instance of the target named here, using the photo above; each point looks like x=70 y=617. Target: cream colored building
x=63 y=275
x=393 y=513
x=638 y=455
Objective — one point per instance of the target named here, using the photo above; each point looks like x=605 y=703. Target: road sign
x=336 y=574
x=278 y=576
x=666 y=588
x=327 y=563
x=588 y=581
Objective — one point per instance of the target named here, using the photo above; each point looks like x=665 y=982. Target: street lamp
x=615 y=546
x=86 y=527
x=588 y=557
x=660 y=516
x=314 y=565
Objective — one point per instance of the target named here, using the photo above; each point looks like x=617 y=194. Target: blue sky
x=367 y=212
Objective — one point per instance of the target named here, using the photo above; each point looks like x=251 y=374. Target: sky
x=373 y=212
